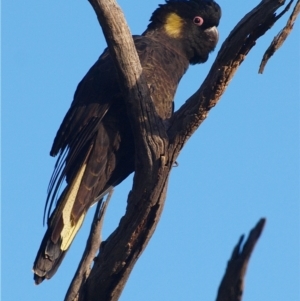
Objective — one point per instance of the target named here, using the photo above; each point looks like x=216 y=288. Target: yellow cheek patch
x=173 y=25
x=69 y=229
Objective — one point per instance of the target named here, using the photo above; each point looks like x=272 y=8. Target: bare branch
x=121 y=250
x=232 y=285
x=156 y=151
x=231 y=55
x=281 y=37
x=92 y=247
x=132 y=82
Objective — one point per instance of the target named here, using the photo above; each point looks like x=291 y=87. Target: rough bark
x=232 y=284
x=281 y=37
x=157 y=144
x=92 y=247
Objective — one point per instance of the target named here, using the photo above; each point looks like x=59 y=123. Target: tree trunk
x=157 y=146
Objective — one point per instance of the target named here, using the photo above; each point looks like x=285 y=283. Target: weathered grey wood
x=232 y=284
x=281 y=37
x=158 y=144
x=92 y=247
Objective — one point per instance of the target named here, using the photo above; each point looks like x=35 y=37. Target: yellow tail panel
x=69 y=229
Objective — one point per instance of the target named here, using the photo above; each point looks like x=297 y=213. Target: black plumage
x=95 y=142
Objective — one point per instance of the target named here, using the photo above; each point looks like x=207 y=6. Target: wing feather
x=80 y=126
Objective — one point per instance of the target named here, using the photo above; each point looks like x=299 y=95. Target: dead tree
x=158 y=144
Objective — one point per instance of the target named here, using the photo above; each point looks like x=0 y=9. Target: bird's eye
x=198 y=21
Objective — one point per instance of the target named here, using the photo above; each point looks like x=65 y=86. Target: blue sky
x=242 y=163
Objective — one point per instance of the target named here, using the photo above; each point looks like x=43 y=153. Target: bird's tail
x=62 y=228
x=48 y=259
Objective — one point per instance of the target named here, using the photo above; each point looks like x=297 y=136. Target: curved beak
x=213 y=34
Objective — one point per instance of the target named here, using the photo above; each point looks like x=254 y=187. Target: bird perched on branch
x=94 y=143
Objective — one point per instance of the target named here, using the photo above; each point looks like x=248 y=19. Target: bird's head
x=189 y=25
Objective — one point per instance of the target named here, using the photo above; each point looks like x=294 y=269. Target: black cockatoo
x=94 y=143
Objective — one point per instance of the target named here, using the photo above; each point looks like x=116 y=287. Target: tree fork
x=157 y=143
